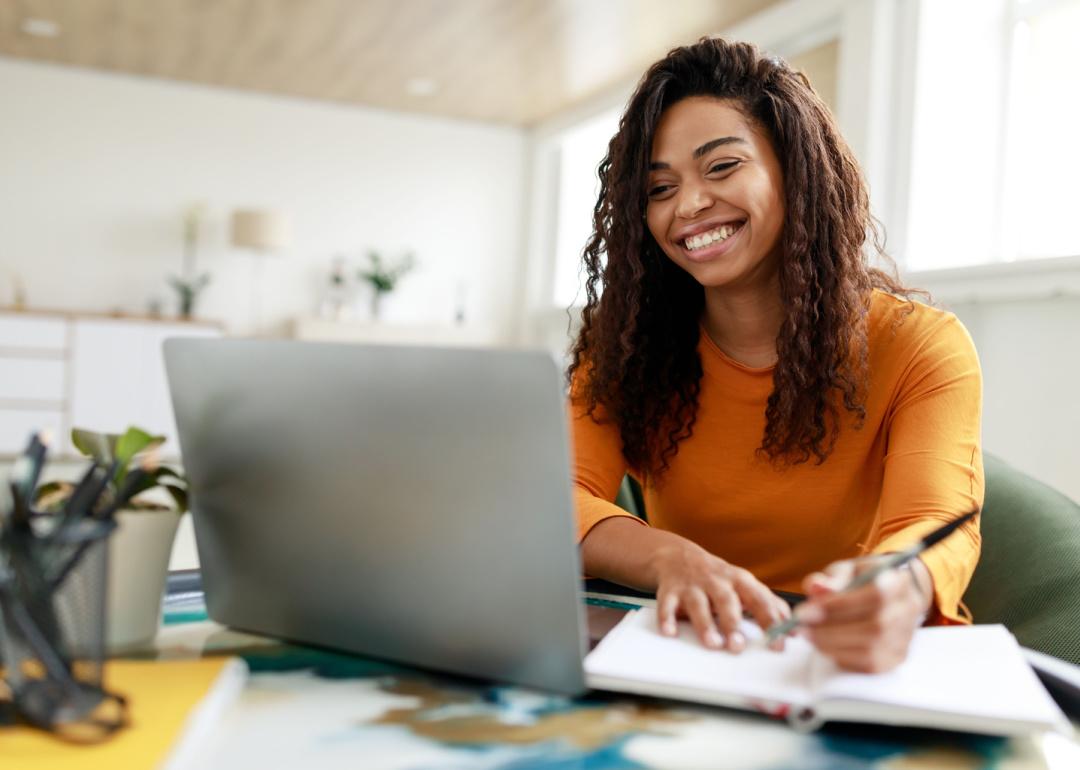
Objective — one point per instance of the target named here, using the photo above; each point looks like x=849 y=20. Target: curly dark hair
x=636 y=361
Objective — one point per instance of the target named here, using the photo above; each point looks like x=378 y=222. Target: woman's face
x=715 y=194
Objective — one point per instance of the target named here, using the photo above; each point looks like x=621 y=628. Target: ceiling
x=508 y=61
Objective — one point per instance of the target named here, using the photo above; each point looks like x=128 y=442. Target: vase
x=187 y=293
x=139 y=552
x=187 y=302
x=376 y=305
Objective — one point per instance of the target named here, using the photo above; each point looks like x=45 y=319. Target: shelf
x=437 y=335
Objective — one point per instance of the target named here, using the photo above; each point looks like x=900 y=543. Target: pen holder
x=52 y=624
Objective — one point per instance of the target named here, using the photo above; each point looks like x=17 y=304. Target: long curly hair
x=635 y=361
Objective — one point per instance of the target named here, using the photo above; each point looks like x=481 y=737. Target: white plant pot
x=139 y=552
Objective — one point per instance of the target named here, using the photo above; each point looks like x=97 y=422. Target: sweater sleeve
x=933 y=462
x=599 y=468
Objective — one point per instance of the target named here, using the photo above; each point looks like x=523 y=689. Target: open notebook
x=970 y=678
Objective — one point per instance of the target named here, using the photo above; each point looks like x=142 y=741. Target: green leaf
x=144 y=480
x=171 y=475
x=179 y=496
x=135 y=440
x=100 y=446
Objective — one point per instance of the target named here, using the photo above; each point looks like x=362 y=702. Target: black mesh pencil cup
x=52 y=621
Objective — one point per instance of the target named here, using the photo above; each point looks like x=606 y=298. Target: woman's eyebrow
x=702 y=150
x=712 y=145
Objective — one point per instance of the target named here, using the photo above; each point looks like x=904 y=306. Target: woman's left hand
x=867 y=629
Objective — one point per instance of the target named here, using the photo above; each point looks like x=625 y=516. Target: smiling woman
x=715 y=195
x=789 y=410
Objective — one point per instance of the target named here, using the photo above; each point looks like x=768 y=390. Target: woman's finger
x=667 y=605
x=697 y=607
x=857 y=605
x=842 y=570
x=864 y=601
x=727 y=609
x=868 y=658
x=830 y=580
x=834 y=638
x=860 y=660
x=763 y=605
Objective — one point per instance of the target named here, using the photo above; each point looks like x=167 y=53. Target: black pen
x=887 y=562
x=25 y=473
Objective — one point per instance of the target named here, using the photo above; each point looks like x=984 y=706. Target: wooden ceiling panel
x=508 y=61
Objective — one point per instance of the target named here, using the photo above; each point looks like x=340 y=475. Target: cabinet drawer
x=32 y=379
x=33 y=332
x=16 y=425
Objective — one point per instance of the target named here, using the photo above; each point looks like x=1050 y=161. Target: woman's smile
x=712 y=243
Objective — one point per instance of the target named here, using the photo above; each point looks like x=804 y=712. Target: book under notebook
x=968 y=678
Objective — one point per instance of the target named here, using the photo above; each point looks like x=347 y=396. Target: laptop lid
x=402 y=502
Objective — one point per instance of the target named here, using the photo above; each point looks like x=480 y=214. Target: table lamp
x=262 y=232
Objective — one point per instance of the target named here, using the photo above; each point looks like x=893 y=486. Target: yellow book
x=170 y=705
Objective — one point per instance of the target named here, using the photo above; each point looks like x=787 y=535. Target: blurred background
x=424 y=171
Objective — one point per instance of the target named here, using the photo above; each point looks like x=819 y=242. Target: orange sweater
x=915 y=463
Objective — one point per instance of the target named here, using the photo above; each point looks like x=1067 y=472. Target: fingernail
x=713 y=639
x=736 y=641
x=809 y=613
x=669 y=628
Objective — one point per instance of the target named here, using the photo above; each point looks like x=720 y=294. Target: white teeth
x=701 y=240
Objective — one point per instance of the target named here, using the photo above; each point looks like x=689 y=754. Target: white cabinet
x=32 y=378
x=40 y=333
x=68 y=370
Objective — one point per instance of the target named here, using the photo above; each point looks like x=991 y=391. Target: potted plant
x=150 y=498
x=190 y=283
x=383 y=277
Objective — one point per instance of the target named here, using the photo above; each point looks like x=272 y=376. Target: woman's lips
x=713 y=250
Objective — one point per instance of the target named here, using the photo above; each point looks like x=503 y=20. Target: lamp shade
x=260 y=230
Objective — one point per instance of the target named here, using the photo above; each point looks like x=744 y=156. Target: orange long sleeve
x=915 y=462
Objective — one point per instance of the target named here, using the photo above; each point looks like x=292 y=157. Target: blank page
x=635 y=650
x=974 y=670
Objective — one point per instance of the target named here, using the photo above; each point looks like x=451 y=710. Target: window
x=994 y=158
x=1042 y=171
x=580 y=149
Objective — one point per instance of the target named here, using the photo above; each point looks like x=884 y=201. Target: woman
x=787 y=408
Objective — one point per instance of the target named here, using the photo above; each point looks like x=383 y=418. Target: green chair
x=630 y=498
x=1028 y=577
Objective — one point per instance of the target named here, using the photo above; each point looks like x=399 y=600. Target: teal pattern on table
x=310 y=707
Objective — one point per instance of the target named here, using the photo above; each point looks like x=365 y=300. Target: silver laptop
x=406 y=503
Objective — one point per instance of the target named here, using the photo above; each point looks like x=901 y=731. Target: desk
x=315 y=709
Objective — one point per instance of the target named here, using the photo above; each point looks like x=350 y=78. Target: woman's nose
x=693 y=199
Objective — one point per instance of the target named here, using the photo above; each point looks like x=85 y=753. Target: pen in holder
x=52 y=605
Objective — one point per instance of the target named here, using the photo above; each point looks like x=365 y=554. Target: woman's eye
x=726 y=165
x=658 y=190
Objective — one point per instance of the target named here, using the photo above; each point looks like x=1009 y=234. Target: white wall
x=1025 y=320
x=1030 y=360
x=97 y=169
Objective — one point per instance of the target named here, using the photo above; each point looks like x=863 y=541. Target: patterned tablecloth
x=309 y=708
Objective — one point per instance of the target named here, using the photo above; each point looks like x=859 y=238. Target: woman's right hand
x=712 y=594
x=689 y=581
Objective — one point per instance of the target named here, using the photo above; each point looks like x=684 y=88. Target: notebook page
x=977 y=671
x=636 y=651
